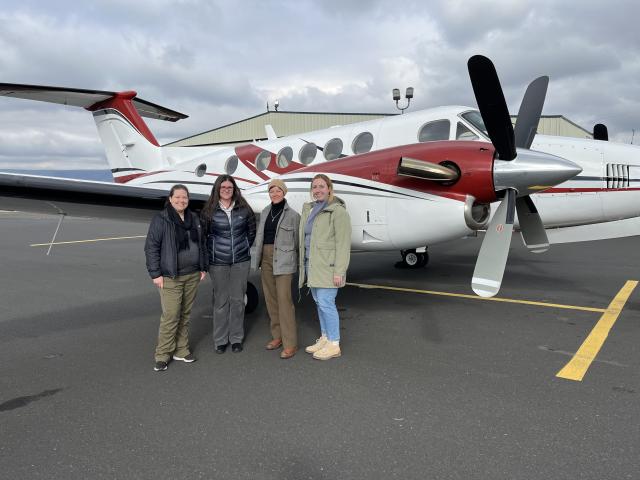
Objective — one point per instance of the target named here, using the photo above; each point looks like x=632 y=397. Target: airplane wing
x=598 y=231
x=78 y=97
x=83 y=198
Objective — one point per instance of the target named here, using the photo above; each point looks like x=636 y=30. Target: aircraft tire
x=251 y=298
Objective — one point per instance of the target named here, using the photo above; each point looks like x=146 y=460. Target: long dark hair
x=178 y=186
x=212 y=202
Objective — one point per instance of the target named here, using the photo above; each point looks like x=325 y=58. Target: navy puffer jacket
x=229 y=241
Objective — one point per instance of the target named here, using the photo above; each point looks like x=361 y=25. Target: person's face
x=179 y=200
x=319 y=190
x=276 y=194
x=226 y=190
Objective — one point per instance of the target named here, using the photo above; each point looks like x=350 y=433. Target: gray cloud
x=222 y=61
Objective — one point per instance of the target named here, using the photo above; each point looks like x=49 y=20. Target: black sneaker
x=221 y=348
x=160 y=366
x=236 y=347
x=186 y=359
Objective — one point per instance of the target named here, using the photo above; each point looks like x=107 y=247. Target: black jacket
x=160 y=246
x=229 y=242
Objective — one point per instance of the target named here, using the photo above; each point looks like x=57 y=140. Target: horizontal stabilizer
x=84 y=98
x=84 y=198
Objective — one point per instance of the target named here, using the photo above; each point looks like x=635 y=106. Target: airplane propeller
x=516 y=173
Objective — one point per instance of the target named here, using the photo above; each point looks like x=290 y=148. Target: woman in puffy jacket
x=276 y=254
x=176 y=262
x=325 y=249
x=231 y=228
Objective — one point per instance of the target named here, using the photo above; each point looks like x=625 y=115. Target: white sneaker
x=330 y=350
x=187 y=358
x=318 y=345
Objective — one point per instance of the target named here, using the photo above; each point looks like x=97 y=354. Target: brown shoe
x=288 y=352
x=274 y=344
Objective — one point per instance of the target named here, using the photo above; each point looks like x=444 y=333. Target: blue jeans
x=325 y=299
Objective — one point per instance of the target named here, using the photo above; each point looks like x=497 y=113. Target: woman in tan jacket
x=276 y=249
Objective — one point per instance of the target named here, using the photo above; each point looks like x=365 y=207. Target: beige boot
x=330 y=350
x=316 y=346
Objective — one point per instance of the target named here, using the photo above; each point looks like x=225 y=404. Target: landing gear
x=251 y=298
x=413 y=259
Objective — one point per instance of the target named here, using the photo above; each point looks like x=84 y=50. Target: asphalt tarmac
x=429 y=386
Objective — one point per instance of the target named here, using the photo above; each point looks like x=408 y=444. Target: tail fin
x=130 y=146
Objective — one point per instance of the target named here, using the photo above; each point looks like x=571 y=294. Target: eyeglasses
x=226 y=188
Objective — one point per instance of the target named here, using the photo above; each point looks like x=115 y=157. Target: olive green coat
x=330 y=247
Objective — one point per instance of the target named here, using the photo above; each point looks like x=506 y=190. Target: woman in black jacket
x=230 y=228
x=177 y=262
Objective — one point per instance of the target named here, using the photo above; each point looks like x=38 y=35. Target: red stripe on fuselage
x=475 y=160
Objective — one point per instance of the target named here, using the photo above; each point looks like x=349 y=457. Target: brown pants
x=277 y=296
x=177 y=298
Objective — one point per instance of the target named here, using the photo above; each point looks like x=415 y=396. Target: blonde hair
x=326 y=180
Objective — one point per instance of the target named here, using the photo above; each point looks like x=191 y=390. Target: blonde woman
x=325 y=248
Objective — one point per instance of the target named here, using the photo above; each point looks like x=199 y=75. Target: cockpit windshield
x=475 y=119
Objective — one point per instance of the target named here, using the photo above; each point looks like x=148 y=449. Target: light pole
x=408 y=95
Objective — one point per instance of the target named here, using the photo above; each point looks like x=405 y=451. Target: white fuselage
x=385 y=217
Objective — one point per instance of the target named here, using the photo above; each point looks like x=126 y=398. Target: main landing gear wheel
x=251 y=298
x=413 y=259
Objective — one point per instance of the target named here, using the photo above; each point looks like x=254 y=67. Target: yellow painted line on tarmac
x=475 y=297
x=86 y=241
x=579 y=364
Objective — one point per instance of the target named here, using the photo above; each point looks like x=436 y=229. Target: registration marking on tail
x=579 y=364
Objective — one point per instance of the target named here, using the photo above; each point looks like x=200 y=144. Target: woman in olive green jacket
x=325 y=248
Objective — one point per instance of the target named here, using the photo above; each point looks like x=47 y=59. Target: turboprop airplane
x=400 y=194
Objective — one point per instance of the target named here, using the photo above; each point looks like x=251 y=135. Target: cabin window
x=262 y=160
x=284 y=157
x=231 y=165
x=333 y=149
x=307 y=153
x=433 y=131
x=463 y=133
x=362 y=143
x=476 y=121
x=201 y=170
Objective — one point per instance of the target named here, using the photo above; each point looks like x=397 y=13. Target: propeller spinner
x=518 y=172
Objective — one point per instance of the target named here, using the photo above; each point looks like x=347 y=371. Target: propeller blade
x=530 y=111
x=492 y=258
x=600 y=132
x=533 y=233
x=492 y=106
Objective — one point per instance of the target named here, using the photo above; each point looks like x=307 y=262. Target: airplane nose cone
x=531 y=172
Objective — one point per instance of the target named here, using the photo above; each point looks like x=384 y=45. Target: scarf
x=183 y=228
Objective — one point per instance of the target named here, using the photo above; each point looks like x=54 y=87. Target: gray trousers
x=229 y=288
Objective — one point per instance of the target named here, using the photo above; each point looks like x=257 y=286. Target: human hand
x=202 y=275
x=338 y=280
x=159 y=282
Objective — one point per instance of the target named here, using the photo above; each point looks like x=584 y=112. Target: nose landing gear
x=413 y=259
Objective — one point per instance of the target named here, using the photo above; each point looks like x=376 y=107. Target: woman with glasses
x=231 y=228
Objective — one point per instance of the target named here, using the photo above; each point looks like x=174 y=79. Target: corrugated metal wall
x=290 y=123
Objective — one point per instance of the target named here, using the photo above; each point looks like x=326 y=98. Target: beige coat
x=285 y=245
x=330 y=247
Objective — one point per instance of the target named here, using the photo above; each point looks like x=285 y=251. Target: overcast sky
x=222 y=61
